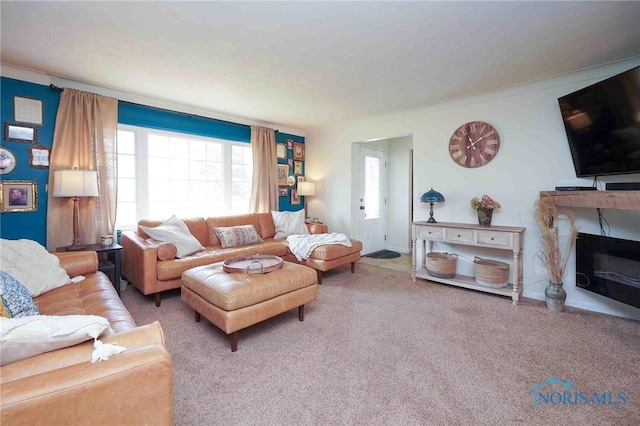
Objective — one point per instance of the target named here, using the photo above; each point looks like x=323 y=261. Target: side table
x=109 y=261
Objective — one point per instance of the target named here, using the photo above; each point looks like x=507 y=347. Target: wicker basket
x=442 y=265
x=491 y=273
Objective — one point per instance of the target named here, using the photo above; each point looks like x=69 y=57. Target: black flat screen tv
x=602 y=122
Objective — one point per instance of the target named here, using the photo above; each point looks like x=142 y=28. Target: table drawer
x=458 y=235
x=497 y=239
x=430 y=232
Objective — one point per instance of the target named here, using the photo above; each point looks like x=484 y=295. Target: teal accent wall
x=32 y=225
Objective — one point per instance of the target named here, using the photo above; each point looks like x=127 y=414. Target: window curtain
x=264 y=185
x=85 y=139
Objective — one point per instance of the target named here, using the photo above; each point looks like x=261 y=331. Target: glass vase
x=555 y=296
x=484 y=216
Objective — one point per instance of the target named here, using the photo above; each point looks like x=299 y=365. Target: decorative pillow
x=25 y=337
x=165 y=251
x=16 y=299
x=289 y=223
x=234 y=236
x=31 y=264
x=175 y=231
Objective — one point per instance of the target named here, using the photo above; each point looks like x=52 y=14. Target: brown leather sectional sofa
x=63 y=387
x=145 y=265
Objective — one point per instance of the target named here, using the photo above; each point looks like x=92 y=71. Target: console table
x=496 y=237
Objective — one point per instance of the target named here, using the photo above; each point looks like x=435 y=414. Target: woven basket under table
x=442 y=265
x=491 y=273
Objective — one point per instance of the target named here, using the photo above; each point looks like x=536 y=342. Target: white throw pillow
x=175 y=231
x=289 y=223
x=24 y=337
x=31 y=264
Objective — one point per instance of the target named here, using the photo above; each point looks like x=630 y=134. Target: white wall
x=534 y=156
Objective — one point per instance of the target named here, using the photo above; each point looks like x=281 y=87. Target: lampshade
x=75 y=183
x=306 y=189
x=432 y=196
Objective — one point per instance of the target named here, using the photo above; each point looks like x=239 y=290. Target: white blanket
x=302 y=245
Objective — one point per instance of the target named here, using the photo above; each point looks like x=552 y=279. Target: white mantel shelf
x=615 y=200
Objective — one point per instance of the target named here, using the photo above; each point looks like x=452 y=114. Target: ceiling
x=314 y=64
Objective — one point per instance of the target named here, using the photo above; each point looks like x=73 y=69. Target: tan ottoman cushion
x=235 y=291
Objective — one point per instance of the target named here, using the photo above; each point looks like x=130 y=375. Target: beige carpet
x=376 y=348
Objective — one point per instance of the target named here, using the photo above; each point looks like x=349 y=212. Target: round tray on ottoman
x=252 y=264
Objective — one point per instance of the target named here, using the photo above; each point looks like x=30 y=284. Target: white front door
x=372 y=217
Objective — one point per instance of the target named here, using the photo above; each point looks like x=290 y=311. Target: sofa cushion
x=25 y=337
x=289 y=223
x=175 y=231
x=234 y=236
x=31 y=264
x=15 y=297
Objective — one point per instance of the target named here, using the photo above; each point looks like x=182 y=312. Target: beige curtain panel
x=84 y=139
x=264 y=187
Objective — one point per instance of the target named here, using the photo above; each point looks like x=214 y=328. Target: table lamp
x=75 y=183
x=306 y=189
x=431 y=197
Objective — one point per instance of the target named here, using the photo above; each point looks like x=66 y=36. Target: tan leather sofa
x=145 y=266
x=63 y=387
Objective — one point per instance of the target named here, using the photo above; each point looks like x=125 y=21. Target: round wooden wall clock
x=474 y=144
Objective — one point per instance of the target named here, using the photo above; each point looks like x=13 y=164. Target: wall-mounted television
x=602 y=122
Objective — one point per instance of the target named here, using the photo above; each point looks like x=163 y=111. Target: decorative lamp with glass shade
x=431 y=197
x=75 y=184
x=306 y=189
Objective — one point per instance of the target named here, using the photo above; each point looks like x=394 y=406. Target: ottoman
x=233 y=301
x=327 y=257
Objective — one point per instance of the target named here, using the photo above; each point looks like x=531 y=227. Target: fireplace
x=609 y=266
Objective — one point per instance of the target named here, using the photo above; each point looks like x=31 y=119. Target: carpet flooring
x=378 y=349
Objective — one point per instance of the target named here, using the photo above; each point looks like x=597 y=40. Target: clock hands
x=473 y=144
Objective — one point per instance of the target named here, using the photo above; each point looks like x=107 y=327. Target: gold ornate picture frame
x=18 y=196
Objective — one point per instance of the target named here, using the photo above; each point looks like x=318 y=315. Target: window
x=164 y=173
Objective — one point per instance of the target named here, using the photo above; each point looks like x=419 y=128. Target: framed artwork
x=290 y=162
x=283 y=192
x=295 y=198
x=7 y=161
x=20 y=132
x=289 y=143
x=18 y=196
x=300 y=179
x=298 y=151
x=39 y=157
x=27 y=110
x=281 y=150
x=297 y=167
x=283 y=174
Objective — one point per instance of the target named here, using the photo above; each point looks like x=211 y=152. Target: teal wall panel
x=32 y=225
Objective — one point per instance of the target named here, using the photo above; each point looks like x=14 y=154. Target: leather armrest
x=64 y=387
x=317 y=228
x=139 y=261
x=78 y=262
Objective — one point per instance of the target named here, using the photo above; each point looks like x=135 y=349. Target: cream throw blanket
x=302 y=245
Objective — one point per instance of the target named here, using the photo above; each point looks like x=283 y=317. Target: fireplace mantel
x=615 y=200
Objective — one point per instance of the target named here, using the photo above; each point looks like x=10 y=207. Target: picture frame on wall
x=298 y=151
x=283 y=174
x=18 y=196
x=295 y=198
x=281 y=150
x=283 y=192
x=39 y=157
x=7 y=161
x=20 y=132
x=297 y=167
x=289 y=143
x=300 y=179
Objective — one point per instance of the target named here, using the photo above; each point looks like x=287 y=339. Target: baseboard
x=591 y=307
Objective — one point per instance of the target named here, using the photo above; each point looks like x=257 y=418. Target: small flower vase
x=484 y=216
x=555 y=296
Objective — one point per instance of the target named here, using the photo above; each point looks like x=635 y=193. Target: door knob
x=361 y=207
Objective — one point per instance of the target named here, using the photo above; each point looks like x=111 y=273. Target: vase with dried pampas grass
x=556 y=249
